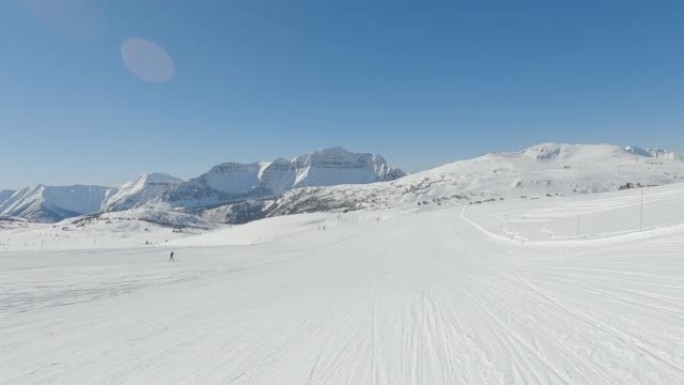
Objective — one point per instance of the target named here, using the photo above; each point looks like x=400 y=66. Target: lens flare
x=147 y=60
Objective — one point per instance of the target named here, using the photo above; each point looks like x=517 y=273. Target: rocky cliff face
x=334 y=166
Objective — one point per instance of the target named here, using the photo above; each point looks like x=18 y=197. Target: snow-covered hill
x=53 y=203
x=7 y=222
x=141 y=217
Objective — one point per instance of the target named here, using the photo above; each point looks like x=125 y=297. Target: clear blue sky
x=421 y=82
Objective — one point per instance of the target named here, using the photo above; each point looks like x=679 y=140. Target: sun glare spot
x=147 y=60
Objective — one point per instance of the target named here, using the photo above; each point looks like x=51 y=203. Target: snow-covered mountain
x=334 y=179
x=336 y=166
x=52 y=203
x=543 y=170
x=230 y=182
x=146 y=189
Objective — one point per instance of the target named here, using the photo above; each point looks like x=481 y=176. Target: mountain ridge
x=334 y=179
x=233 y=181
x=223 y=183
x=53 y=203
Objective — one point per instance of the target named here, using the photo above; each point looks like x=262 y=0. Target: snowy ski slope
x=585 y=217
x=499 y=293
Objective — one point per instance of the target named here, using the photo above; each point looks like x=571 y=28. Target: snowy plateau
x=557 y=264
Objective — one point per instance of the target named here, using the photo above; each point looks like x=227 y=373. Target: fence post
x=641 y=210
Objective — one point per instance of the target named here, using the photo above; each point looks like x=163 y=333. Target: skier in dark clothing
x=171 y=258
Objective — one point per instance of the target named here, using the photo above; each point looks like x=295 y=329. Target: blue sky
x=421 y=82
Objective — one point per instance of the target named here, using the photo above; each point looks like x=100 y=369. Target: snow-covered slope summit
x=555 y=152
x=550 y=168
x=147 y=188
x=657 y=153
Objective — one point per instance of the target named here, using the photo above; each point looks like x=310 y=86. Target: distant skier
x=171 y=258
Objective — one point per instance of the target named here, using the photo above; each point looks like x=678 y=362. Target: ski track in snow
x=420 y=299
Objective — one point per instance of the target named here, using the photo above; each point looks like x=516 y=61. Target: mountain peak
x=333 y=149
x=315 y=168
x=157 y=176
x=146 y=188
x=231 y=181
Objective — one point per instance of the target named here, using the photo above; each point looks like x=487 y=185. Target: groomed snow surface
x=500 y=293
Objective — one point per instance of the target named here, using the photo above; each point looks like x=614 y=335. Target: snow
x=657 y=153
x=334 y=179
x=277 y=176
x=233 y=178
x=418 y=295
x=237 y=181
x=546 y=169
x=226 y=183
x=49 y=203
x=260 y=232
x=116 y=230
x=147 y=188
x=335 y=166
x=596 y=216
